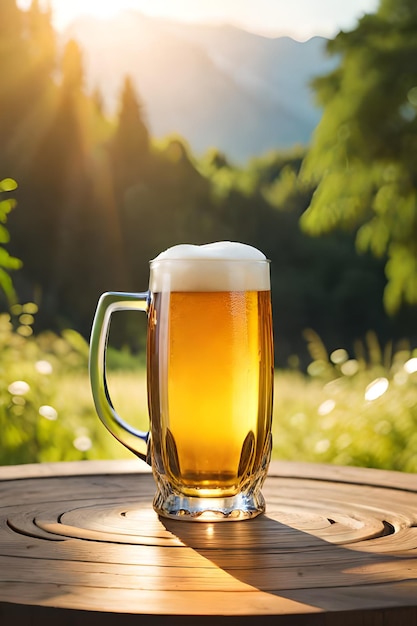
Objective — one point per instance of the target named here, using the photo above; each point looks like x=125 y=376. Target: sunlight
x=411 y=366
x=301 y=19
x=97 y=8
x=376 y=389
x=103 y=9
x=64 y=12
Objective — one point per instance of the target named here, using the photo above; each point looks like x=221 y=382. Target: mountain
x=217 y=86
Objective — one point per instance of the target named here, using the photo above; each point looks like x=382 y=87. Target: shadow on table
x=300 y=567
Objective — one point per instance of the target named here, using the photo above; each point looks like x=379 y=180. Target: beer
x=210 y=373
x=210 y=378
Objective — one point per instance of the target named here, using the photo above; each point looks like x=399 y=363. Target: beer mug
x=209 y=379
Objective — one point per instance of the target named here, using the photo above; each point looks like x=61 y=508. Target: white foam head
x=220 y=266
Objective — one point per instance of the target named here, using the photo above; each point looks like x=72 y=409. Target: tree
x=41 y=43
x=72 y=69
x=363 y=158
x=130 y=145
x=55 y=195
x=13 y=72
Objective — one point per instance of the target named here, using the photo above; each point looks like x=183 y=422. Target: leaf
x=5 y=207
x=8 y=184
x=9 y=262
x=4 y=235
x=76 y=341
x=373 y=235
x=401 y=271
x=6 y=284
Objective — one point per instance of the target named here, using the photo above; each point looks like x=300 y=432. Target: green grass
x=359 y=410
x=314 y=420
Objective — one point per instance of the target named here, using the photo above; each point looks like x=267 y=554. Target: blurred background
x=125 y=129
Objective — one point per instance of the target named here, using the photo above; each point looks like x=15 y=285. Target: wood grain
x=80 y=543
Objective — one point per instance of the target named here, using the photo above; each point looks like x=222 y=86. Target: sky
x=299 y=19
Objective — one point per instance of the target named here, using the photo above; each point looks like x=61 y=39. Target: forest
x=97 y=196
x=88 y=198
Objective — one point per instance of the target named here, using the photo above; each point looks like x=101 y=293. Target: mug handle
x=133 y=439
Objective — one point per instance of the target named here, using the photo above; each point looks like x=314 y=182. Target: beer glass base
x=186 y=508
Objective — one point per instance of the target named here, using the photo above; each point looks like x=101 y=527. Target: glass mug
x=209 y=378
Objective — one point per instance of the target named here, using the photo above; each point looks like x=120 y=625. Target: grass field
x=359 y=410
x=359 y=421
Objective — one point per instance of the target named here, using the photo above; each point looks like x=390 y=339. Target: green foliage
x=226 y=178
x=44 y=414
x=359 y=410
x=99 y=197
x=351 y=410
x=364 y=154
x=7 y=262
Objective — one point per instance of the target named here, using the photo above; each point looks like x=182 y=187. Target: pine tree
x=42 y=43
x=129 y=148
x=13 y=72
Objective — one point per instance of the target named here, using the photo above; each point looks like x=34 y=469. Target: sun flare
x=63 y=12
x=98 y=8
x=300 y=19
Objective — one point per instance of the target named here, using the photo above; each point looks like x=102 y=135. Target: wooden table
x=80 y=544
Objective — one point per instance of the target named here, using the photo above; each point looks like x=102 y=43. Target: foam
x=219 y=250
x=220 y=266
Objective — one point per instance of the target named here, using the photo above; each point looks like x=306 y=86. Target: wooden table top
x=81 y=544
